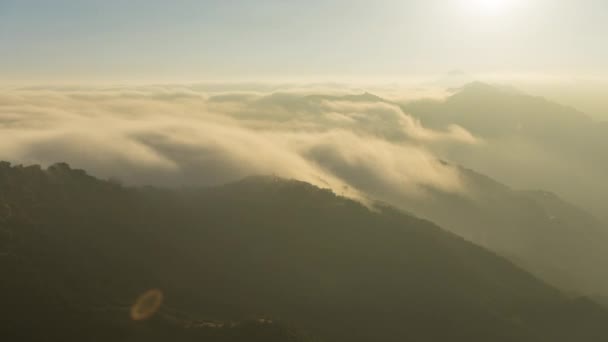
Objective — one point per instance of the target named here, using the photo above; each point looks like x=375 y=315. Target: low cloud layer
x=359 y=146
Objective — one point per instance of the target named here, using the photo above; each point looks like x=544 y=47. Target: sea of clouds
x=358 y=145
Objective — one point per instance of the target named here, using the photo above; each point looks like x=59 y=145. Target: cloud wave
x=358 y=146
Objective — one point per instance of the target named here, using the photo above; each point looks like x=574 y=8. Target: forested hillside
x=76 y=251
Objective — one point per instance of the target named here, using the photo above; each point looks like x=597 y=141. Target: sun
x=490 y=7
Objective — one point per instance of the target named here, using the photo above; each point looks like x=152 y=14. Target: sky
x=188 y=40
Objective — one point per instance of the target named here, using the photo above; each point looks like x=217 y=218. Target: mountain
x=537 y=230
x=453 y=78
x=74 y=247
x=526 y=141
x=494 y=111
x=69 y=275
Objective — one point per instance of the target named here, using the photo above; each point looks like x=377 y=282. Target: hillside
x=551 y=238
x=262 y=247
x=528 y=142
x=496 y=111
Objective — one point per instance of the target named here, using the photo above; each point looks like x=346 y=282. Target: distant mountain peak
x=454 y=78
x=479 y=87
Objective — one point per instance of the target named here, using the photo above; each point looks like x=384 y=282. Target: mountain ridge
x=265 y=245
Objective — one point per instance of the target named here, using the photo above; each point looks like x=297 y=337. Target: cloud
x=359 y=146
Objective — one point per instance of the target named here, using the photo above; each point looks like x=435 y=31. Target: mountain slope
x=553 y=239
x=494 y=111
x=526 y=141
x=517 y=134
x=260 y=247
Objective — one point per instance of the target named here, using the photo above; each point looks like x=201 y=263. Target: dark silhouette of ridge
x=261 y=247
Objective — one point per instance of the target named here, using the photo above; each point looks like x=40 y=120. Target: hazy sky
x=153 y=40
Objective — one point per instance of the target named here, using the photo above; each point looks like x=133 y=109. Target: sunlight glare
x=489 y=7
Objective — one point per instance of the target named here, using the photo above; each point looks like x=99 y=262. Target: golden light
x=490 y=7
x=146 y=305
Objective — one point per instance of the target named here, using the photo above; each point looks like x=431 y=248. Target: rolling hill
x=553 y=239
x=528 y=142
x=73 y=246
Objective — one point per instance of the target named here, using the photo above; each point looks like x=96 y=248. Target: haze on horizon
x=298 y=171
x=87 y=41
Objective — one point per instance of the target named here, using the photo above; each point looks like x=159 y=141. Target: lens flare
x=146 y=305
